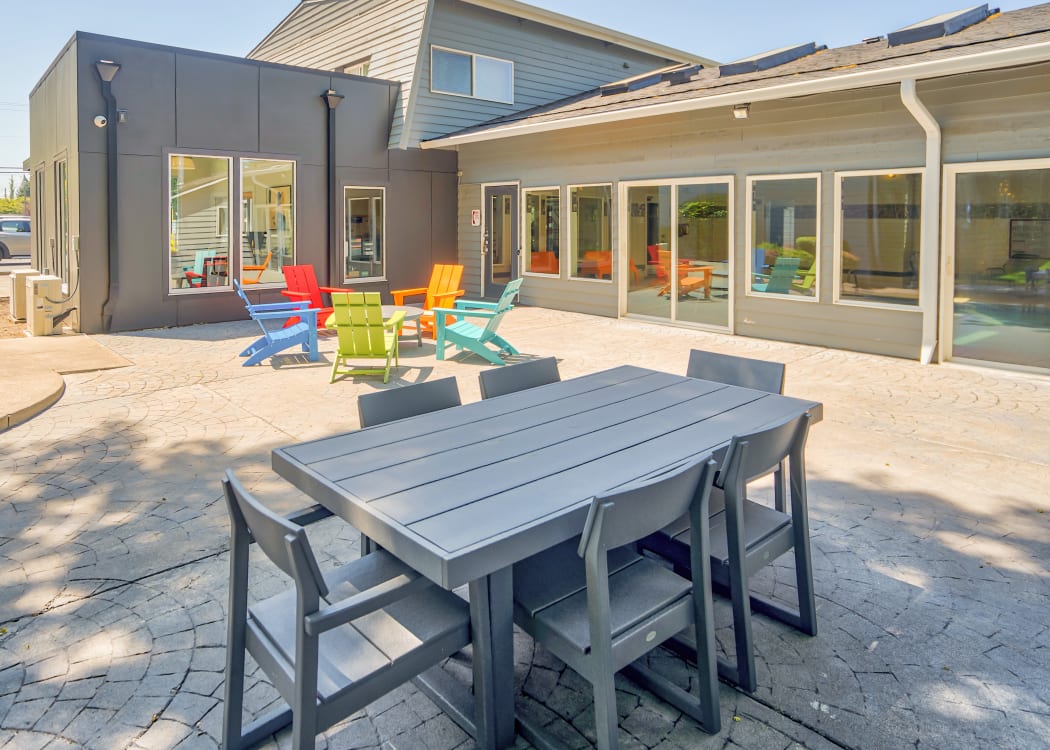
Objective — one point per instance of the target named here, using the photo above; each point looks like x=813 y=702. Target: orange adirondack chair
x=302 y=286
x=245 y=279
x=442 y=292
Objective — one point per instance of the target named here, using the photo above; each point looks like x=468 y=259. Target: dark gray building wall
x=192 y=102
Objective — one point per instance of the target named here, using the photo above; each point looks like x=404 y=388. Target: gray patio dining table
x=464 y=493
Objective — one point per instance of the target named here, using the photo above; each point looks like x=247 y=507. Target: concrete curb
x=37 y=389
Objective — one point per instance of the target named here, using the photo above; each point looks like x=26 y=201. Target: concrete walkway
x=930 y=514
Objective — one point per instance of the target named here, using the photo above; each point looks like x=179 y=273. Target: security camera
x=100 y=121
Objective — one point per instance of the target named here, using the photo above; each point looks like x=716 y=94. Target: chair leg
x=745 y=658
x=606 y=720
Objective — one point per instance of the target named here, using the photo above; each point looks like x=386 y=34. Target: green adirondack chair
x=780 y=277
x=465 y=335
x=363 y=334
x=804 y=284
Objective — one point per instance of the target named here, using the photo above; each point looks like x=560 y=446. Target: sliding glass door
x=1001 y=230
x=678 y=245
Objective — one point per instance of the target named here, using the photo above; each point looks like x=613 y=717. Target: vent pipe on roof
x=107 y=70
x=929 y=249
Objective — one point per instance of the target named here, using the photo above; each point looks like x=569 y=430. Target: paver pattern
x=930 y=514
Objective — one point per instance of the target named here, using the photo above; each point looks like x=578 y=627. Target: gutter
x=107 y=71
x=929 y=255
x=988 y=60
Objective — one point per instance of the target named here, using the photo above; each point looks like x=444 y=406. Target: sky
x=721 y=30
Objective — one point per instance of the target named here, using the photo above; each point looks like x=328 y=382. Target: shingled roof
x=841 y=68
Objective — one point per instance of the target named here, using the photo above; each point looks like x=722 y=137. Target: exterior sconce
x=741 y=111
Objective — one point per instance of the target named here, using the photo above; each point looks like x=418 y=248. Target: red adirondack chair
x=302 y=286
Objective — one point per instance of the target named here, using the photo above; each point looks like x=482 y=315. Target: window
x=543 y=231
x=358 y=67
x=39 y=214
x=784 y=237
x=879 y=237
x=364 y=231
x=60 y=253
x=590 y=231
x=199 y=221
x=466 y=74
x=267 y=219
x=14 y=225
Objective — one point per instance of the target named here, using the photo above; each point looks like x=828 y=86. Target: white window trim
x=612 y=238
x=522 y=241
x=231 y=269
x=473 y=75
x=837 y=239
x=749 y=199
x=676 y=182
x=947 y=290
x=342 y=255
x=239 y=169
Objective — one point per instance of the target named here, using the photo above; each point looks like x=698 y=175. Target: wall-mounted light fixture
x=741 y=111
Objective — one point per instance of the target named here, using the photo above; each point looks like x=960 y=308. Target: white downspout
x=929 y=254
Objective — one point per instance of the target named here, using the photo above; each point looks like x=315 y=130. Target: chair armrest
x=359 y=605
x=395 y=321
x=467 y=304
x=305 y=312
x=441 y=312
x=270 y=306
x=330 y=289
x=296 y=295
x=400 y=294
x=443 y=299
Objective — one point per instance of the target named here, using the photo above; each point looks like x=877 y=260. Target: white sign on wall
x=475 y=217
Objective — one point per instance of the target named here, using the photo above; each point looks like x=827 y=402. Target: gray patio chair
x=746 y=536
x=335 y=642
x=601 y=614
x=401 y=403
x=518 y=377
x=407 y=401
x=759 y=374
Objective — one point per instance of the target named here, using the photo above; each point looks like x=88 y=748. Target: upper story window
x=358 y=67
x=467 y=74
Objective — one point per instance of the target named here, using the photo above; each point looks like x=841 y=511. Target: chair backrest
x=502 y=306
x=280 y=540
x=759 y=374
x=758 y=453
x=303 y=279
x=359 y=323
x=517 y=377
x=407 y=401
x=444 y=278
x=644 y=507
x=782 y=274
x=758 y=259
x=242 y=295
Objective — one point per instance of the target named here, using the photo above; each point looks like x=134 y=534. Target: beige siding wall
x=470 y=239
x=1002 y=115
x=549 y=64
x=331 y=35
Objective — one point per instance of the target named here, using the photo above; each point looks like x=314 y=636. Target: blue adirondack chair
x=465 y=335
x=780 y=277
x=275 y=338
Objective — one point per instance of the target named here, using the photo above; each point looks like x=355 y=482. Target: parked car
x=14 y=236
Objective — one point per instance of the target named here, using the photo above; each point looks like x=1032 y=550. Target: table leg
x=492 y=618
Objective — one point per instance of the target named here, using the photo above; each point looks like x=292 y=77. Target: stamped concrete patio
x=930 y=514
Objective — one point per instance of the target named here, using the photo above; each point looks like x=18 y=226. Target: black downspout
x=107 y=71
x=332 y=99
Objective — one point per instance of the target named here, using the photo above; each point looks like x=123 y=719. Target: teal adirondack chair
x=275 y=338
x=780 y=277
x=465 y=335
